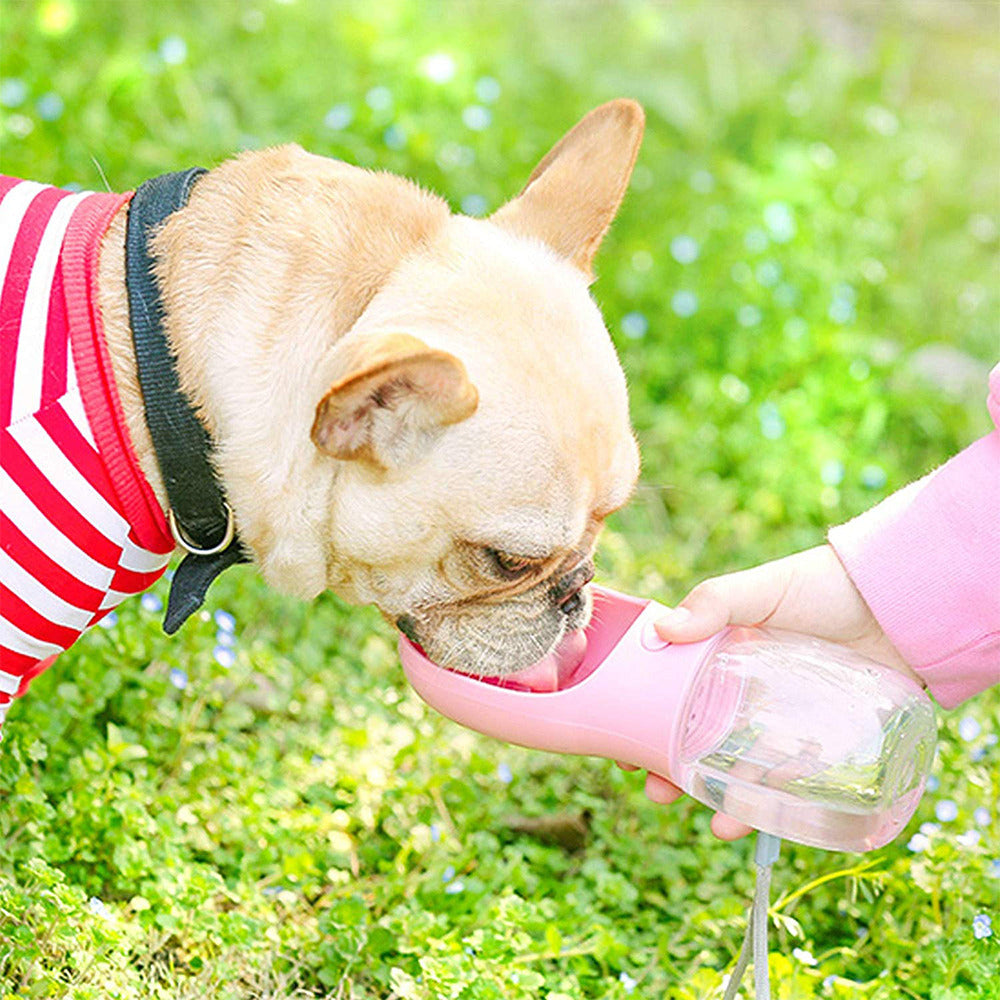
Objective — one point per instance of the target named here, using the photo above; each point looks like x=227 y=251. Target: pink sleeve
x=927 y=562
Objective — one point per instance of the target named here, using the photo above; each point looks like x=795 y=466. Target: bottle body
x=804 y=739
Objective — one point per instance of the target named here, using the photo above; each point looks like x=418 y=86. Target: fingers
x=727 y=828
x=742 y=598
x=660 y=790
x=702 y=613
x=663 y=792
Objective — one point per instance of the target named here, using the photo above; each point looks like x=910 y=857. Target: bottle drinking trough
x=797 y=737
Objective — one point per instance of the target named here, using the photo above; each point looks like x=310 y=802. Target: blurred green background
x=803 y=288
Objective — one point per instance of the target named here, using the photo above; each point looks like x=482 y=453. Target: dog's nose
x=566 y=592
x=408 y=627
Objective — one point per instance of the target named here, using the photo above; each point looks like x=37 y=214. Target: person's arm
x=923 y=594
x=927 y=563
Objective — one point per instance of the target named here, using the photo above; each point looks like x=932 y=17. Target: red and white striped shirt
x=80 y=527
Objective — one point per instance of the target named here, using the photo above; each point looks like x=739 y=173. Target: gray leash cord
x=755 y=939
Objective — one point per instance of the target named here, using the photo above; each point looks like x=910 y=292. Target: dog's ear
x=574 y=193
x=391 y=398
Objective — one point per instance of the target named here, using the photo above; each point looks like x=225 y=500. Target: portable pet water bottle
x=797 y=737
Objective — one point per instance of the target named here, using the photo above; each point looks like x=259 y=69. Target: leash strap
x=200 y=519
x=755 y=939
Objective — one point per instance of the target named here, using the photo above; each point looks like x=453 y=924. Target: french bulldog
x=412 y=408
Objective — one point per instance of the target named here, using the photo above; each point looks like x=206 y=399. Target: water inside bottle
x=807 y=740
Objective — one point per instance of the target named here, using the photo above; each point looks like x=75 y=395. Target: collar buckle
x=189 y=546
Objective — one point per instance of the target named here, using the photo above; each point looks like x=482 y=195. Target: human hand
x=809 y=592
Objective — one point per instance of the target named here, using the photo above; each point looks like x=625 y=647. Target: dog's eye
x=511 y=566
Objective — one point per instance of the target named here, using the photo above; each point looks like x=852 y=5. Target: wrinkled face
x=414 y=409
x=479 y=419
x=477 y=539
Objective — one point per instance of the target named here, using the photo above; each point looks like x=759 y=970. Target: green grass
x=299 y=824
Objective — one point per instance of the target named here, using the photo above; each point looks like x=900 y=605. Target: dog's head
x=434 y=419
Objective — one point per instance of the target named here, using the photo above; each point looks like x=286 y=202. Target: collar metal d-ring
x=188 y=546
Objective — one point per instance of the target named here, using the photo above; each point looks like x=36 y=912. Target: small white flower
x=969 y=728
x=832 y=472
x=684 y=304
x=488 y=89
x=945 y=810
x=151 y=603
x=684 y=249
x=736 y=389
x=379 y=98
x=50 y=107
x=627 y=981
x=804 y=956
x=476 y=117
x=225 y=621
x=919 y=842
x=873 y=271
x=338 y=117
x=224 y=656
x=394 y=136
x=769 y=273
x=873 y=477
x=634 y=325
x=772 y=424
x=13 y=92
x=841 y=311
x=173 y=50
x=474 y=205
x=20 y=126
x=439 y=67
x=780 y=221
x=968 y=839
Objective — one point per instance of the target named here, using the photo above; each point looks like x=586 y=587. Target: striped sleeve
x=67 y=552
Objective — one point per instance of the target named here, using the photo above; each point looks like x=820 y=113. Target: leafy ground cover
x=260 y=807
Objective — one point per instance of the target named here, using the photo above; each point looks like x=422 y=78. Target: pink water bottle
x=797 y=737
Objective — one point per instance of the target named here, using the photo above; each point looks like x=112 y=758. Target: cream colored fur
x=394 y=391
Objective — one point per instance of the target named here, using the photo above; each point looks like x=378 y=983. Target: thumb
x=744 y=598
x=698 y=616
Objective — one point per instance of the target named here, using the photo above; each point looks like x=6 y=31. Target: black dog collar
x=200 y=519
